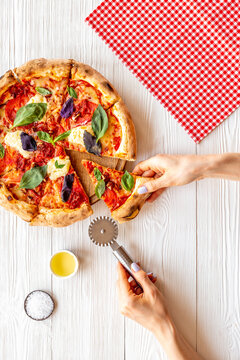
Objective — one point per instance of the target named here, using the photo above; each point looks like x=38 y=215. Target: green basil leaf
x=72 y=92
x=33 y=177
x=44 y=136
x=99 y=122
x=30 y=113
x=97 y=174
x=2 y=151
x=127 y=181
x=43 y=91
x=62 y=136
x=100 y=188
x=59 y=166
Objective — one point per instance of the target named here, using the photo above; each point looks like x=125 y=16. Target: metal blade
x=103 y=231
x=114 y=245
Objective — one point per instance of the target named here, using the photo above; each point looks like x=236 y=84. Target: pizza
x=47 y=107
x=118 y=189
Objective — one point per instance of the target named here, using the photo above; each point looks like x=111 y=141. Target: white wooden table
x=189 y=237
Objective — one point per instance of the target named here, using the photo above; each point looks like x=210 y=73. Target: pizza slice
x=118 y=189
x=97 y=117
x=38 y=183
x=64 y=200
x=48 y=81
x=90 y=85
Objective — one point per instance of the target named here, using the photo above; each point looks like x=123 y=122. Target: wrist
x=204 y=166
x=164 y=330
x=173 y=343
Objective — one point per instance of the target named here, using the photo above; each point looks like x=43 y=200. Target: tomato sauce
x=34 y=196
x=78 y=195
x=44 y=153
x=82 y=115
x=117 y=141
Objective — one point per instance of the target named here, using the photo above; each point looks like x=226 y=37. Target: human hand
x=147 y=307
x=168 y=170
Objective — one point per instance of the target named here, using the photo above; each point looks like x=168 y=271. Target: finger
x=138 y=291
x=155 y=195
x=149 y=164
x=141 y=277
x=153 y=185
x=153 y=278
x=149 y=173
x=123 y=279
x=133 y=284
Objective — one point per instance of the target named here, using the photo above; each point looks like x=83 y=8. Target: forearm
x=174 y=344
x=226 y=166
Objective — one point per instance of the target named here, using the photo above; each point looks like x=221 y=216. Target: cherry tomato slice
x=13 y=106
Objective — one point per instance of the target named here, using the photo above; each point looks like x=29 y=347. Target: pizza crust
x=6 y=81
x=128 y=146
x=21 y=208
x=52 y=68
x=130 y=209
x=61 y=217
x=63 y=70
x=85 y=72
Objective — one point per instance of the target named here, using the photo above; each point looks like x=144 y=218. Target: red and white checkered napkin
x=186 y=52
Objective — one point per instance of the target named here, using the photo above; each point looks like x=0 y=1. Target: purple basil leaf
x=91 y=144
x=67 y=108
x=28 y=142
x=67 y=187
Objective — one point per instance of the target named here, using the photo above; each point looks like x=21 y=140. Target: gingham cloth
x=187 y=53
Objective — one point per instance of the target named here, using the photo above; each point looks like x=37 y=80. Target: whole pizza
x=46 y=107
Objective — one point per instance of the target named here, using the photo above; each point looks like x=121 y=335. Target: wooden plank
x=87 y=320
x=24 y=250
x=163 y=236
x=87 y=304
x=23 y=268
x=218 y=329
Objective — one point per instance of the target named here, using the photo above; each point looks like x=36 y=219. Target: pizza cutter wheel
x=103 y=231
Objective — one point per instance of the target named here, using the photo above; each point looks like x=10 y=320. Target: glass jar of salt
x=39 y=305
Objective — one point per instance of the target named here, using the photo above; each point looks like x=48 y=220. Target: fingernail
x=150 y=273
x=142 y=190
x=135 y=267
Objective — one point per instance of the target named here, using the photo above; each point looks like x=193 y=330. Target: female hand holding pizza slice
x=176 y=170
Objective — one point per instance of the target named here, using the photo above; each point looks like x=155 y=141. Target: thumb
x=141 y=277
x=153 y=185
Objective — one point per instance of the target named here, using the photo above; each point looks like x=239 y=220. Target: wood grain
x=189 y=237
x=218 y=329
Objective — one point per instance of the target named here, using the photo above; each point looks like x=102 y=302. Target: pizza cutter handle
x=125 y=260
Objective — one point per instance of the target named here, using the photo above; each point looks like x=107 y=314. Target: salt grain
x=39 y=305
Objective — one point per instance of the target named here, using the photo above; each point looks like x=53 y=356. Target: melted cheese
x=13 y=140
x=38 y=98
x=76 y=135
x=53 y=172
x=90 y=94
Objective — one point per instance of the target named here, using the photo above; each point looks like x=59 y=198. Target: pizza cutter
x=103 y=231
